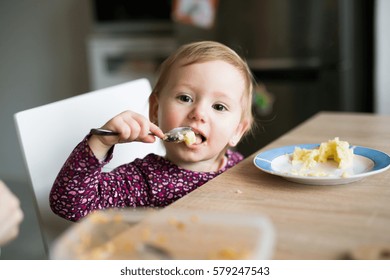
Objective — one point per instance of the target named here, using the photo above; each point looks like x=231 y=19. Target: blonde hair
x=208 y=51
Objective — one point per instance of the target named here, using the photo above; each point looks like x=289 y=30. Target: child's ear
x=153 y=108
x=242 y=127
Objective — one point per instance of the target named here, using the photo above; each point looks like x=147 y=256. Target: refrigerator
x=307 y=56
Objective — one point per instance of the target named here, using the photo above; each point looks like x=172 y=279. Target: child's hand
x=131 y=126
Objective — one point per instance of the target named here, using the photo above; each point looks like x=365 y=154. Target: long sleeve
x=81 y=186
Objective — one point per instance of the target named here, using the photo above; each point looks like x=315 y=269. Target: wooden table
x=311 y=222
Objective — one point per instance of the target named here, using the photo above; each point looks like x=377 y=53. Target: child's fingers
x=139 y=128
x=148 y=139
x=132 y=126
x=136 y=127
x=156 y=130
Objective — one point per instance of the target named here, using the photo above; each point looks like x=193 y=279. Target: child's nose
x=198 y=114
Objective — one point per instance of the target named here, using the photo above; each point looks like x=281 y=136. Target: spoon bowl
x=177 y=134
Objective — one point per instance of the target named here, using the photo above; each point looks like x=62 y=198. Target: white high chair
x=48 y=134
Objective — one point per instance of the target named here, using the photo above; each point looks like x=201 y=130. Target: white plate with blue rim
x=366 y=162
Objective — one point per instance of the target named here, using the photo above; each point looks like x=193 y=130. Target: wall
x=43 y=59
x=382 y=57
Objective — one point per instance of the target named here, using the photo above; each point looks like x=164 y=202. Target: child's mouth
x=200 y=138
x=194 y=138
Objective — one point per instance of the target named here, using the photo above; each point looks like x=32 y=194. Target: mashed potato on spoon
x=189 y=137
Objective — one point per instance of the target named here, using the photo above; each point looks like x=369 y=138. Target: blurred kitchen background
x=307 y=56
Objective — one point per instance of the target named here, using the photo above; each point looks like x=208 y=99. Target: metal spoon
x=175 y=135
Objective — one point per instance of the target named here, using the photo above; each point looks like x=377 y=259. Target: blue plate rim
x=264 y=159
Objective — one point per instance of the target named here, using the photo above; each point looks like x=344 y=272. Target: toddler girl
x=203 y=85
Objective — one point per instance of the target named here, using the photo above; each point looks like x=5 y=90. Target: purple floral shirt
x=82 y=187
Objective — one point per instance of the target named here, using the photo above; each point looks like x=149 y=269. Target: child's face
x=206 y=96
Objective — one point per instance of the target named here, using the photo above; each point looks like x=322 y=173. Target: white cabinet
x=114 y=59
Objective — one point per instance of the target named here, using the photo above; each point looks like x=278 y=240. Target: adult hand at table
x=11 y=215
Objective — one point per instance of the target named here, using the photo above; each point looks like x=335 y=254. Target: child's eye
x=184 y=98
x=219 y=107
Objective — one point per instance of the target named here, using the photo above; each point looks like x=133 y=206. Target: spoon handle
x=172 y=136
x=103 y=132
x=106 y=132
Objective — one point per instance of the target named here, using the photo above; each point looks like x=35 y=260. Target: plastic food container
x=167 y=234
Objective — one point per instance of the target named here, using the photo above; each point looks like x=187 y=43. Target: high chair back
x=48 y=134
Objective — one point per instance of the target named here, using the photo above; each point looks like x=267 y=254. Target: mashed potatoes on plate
x=332 y=150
